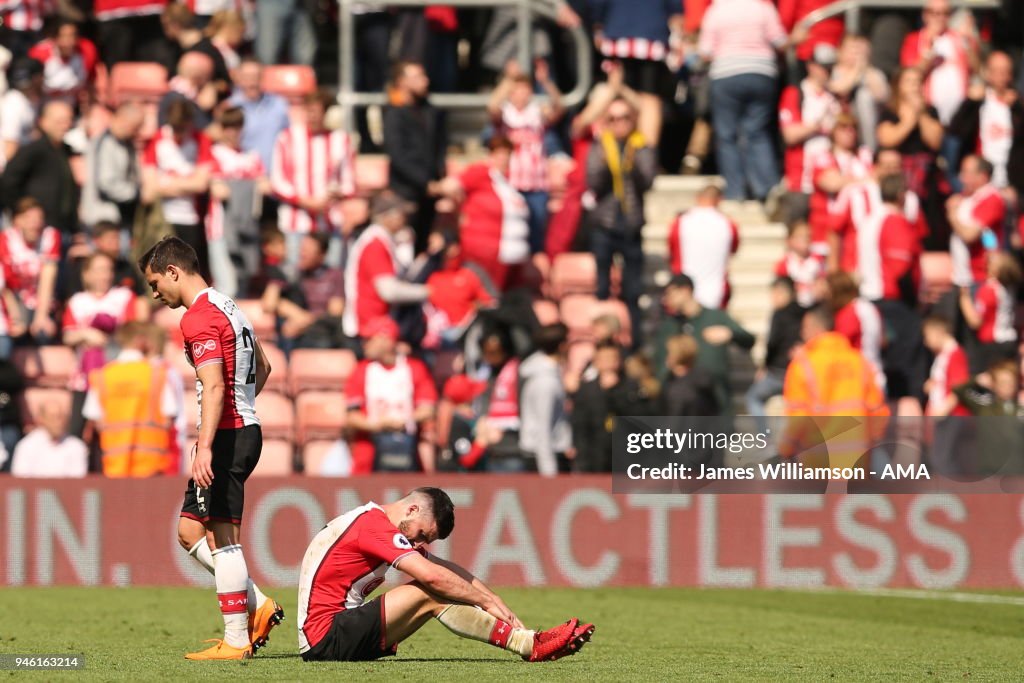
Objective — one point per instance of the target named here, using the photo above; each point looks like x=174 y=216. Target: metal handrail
x=349 y=98
x=852 y=9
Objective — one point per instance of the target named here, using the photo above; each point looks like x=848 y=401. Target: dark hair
x=842 y=289
x=232 y=117
x=322 y=240
x=26 y=204
x=681 y=280
x=549 y=338
x=786 y=282
x=91 y=258
x=1005 y=365
x=59 y=25
x=503 y=338
x=322 y=97
x=500 y=142
x=607 y=345
x=180 y=113
x=270 y=235
x=179 y=13
x=442 y=508
x=892 y=188
x=823 y=315
x=170 y=251
x=940 y=321
x=985 y=166
x=103 y=227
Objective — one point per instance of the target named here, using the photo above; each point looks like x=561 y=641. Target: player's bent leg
x=406 y=609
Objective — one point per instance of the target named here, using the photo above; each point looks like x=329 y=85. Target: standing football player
x=232 y=369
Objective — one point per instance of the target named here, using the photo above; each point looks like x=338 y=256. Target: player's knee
x=426 y=602
x=190 y=533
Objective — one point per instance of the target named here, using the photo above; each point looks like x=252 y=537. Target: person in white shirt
x=19 y=106
x=47 y=451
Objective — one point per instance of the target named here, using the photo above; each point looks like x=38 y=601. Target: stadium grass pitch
x=642 y=635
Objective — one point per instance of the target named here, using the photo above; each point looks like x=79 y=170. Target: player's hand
x=501 y=611
x=202 y=467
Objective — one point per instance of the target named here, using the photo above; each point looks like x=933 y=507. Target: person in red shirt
x=834 y=170
x=800 y=265
x=828 y=32
x=976 y=216
x=888 y=248
x=390 y=399
x=949 y=370
x=991 y=312
x=457 y=292
x=349 y=558
x=69 y=64
x=29 y=255
x=858 y=320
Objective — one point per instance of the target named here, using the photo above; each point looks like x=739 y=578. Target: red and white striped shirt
x=81 y=310
x=987 y=210
x=217 y=331
x=22 y=262
x=107 y=10
x=229 y=164
x=26 y=15
x=804 y=105
x=824 y=206
x=63 y=78
x=946 y=84
x=855 y=204
x=861 y=323
x=309 y=165
x=371 y=256
x=805 y=272
x=700 y=243
x=634 y=48
x=887 y=250
x=949 y=370
x=528 y=166
x=995 y=305
x=169 y=157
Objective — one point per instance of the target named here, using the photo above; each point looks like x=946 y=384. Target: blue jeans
x=281 y=23
x=605 y=244
x=538 y=205
x=742 y=112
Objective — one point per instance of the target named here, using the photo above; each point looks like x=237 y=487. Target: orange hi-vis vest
x=833 y=400
x=135 y=436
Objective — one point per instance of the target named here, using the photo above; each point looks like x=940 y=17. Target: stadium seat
x=277 y=415
x=290 y=81
x=313 y=455
x=546 y=312
x=169 y=320
x=319 y=369
x=263 y=323
x=278 y=380
x=573 y=273
x=371 y=172
x=936 y=275
x=579 y=310
x=319 y=415
x=46 y=366
x=277 y=459
x=34 y=397
x=145 y=81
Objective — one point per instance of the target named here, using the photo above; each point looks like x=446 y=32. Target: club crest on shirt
x=402 y=542
x=200 y=348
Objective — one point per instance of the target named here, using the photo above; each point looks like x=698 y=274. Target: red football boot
x=553 y=644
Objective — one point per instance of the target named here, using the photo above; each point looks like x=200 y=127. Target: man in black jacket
x=415 y=141
x=783 y=336
x=1001 y=140
x=41 y=170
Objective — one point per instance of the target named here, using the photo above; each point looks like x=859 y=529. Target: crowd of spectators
x=436 y=281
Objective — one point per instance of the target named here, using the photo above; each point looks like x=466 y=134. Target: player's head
x=427 y=514
x=166 y=265
x=816 y=321
x=783 y=291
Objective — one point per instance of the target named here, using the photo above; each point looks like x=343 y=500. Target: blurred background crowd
x=476 y=290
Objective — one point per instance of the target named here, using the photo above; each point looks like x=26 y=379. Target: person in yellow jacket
x=834 y=407
x=132 y=404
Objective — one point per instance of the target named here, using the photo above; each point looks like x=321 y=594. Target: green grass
x=642 y=635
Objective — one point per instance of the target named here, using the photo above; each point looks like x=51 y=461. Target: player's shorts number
x=247 y=340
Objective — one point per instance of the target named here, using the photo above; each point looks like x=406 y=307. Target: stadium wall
x=521 y=530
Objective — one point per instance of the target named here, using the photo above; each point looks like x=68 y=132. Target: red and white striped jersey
x=804 y=271
x=995 y=136
x=634 y=48
x=81 y=310
x=528 y=166
x=987 y=210
x=825 y=207
x=803 y=105
x=887 y=250
x=700 y=243
x=344 y=563
x=855 y=204
x=169 y=157
x=861 y=323
x=216 y=331
x=949 y=369
x=946 y=84
x=26 y=15
x=65 y=79
x=494 y=224
x=229 y=164
x=995 y=304
x=372 y=255
x=106 y=10
x=22 y=262
x=309 y=165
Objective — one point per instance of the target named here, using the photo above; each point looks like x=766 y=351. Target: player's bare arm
x=468 y=576
x=211 y=375
x=262 y=368
x=446 y=584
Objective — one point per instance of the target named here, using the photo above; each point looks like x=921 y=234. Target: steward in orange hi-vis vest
x=135 y=434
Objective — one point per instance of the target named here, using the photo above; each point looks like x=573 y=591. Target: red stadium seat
x=579 y=310
x=573 y=273
x=936 y=275
x=320 y=415
x=313 y=455
x=546 y=312
x=290 y=81
x=277 y=459
x=277 y=415
x=278 y=380
x=263 y=323
x=145 y=81
x=34 y=397
x=319 y=369
x=46 y=366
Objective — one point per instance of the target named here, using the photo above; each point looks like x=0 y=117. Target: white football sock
x=232 y=578
x=202 y=554
x=474 y=623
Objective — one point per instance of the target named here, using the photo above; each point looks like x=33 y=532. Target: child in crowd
x=799 y=264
